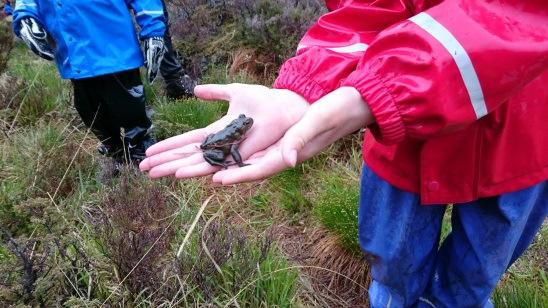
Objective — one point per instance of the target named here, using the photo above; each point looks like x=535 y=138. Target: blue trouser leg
x=487 y=236
x=402 y=237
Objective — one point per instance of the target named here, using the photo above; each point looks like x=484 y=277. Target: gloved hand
x=36 y=38
x=154 y=53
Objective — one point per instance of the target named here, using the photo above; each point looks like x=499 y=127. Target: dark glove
x=154 y=53
x=36 y=38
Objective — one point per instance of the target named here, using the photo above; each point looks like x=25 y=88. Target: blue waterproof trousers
x=408 y=266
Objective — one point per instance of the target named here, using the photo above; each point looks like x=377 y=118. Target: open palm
x=274 y=111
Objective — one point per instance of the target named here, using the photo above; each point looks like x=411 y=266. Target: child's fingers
x=213 y=92
x=171 y=167
x=258 y=169
x=194 y=136
x=195 y=170
x=298 y=136
x=169 y=155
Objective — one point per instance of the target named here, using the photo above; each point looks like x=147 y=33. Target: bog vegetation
x=72 y=234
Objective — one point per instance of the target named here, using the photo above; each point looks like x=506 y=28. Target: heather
x=76 y=232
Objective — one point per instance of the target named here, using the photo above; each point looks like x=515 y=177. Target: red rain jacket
x=458 y=89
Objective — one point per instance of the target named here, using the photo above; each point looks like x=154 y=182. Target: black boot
x=137 y=152
x=182 y=87
x=136 y=142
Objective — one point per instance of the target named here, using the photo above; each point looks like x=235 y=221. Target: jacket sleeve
x=332 y=47
x=150 y=17
x=24 y=8
x=451 y=65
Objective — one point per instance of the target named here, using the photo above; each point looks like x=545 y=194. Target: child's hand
x=154 y=53
x=36 y=37
x=334 y=116
x=272 y=110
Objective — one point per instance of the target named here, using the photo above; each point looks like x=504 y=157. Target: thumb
x=298 y=136
x=213 y=92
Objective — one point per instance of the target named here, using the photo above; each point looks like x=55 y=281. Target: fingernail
x=216 y=178
x=143 y=165
x=293 y=158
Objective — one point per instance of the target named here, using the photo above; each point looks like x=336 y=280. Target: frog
x=216 y=147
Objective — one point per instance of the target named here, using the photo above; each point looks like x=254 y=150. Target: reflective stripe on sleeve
x=461 y=58
x=358 y=47
x=145 y=12
x=19 y=5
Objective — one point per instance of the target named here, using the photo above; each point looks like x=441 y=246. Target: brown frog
x=218 y=146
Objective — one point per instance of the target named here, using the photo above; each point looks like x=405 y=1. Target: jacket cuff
x=389 y=127
x=152 y=34
x=300 y=84
x=16 y=23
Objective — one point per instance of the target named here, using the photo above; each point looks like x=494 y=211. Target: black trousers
x=115 y=104
x=170 y=68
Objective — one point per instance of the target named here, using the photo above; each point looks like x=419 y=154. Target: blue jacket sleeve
x=24 y=8
x=150 y=17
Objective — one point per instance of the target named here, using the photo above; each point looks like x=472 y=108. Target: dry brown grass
x=258 y=66
x=330 y=275
x=10 y=90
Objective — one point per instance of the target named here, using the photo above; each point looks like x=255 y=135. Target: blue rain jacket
x=96 y=37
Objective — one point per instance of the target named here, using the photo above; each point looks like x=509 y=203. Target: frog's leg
x=215 y=158
x=216 y=163
x=236 y=155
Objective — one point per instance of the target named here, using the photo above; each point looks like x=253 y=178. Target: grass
x=81 y=237
x=290 y=187
x=41 y=94
x=72 y=234
x=230 y=266
x=177 y=117
x=336 y=206
x=526 y=282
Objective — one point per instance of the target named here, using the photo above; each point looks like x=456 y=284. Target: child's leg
x=401 y=237
x=487 y=236
x=124 y=97
x=87 y=101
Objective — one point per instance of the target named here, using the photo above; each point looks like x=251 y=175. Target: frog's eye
x=241 y=116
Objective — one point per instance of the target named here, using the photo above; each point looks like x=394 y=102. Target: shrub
x=46 y=266
x=227 y=266
x=42 y=163
x=209 y=33
x=39 y=91
x=132 y=222
x=273 y=27
x=6 y=44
